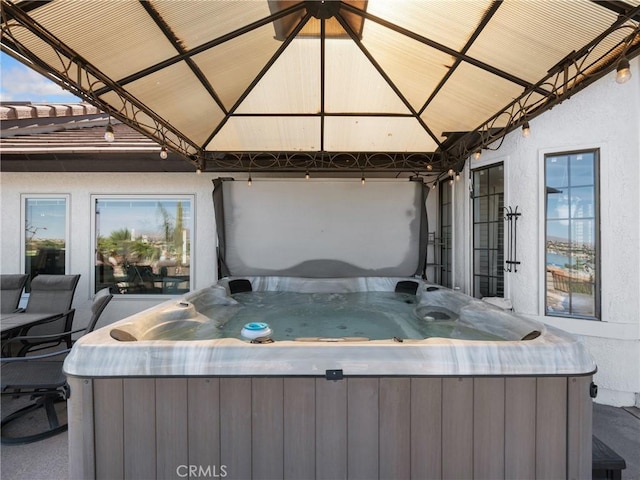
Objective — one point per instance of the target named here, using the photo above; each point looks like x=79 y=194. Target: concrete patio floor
x=47 y=459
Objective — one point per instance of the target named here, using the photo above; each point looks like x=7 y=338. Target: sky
x=20 y=83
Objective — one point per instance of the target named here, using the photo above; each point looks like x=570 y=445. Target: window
x=45 y=234
x=488 y=231
x=446 y=229
x=571 y=243
x=143 y=244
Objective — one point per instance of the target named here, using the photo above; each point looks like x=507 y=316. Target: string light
x=457 y=177
x=451 y=181
x=249 y=182
x=306 y=175
x=477 y=154
x=198 y=170
x=429 y=167
x=163 y=153
x=362 y=180
x=526 y=130
x=623 y=71
x=450 y=172
x=108 y=132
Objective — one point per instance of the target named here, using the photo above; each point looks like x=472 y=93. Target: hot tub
x=361 y=376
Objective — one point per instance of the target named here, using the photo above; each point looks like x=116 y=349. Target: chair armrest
x=68 y=315
x=51 y=336
x=34 y=357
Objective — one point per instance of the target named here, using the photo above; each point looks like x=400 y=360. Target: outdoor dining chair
x=41 y=378
x=11 y=287
x=50 y=293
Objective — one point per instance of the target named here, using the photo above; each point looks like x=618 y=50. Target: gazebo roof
x=323 y=85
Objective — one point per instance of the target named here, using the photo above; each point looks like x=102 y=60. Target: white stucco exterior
x=605 y=116
x=80 y=187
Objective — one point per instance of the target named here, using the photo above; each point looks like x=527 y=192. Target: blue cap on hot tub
x=255 y=330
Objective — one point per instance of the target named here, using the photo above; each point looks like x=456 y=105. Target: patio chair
x=50 y=293
x=11 y=286
x=100 y=302
x=42 y=378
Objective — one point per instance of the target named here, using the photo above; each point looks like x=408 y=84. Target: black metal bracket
x=511 y=217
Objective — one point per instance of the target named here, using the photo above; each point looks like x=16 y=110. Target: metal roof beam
x=157 y=18
x=384 y=75
x=206 y=46
x=621 y=8
x=258 y=77
x=445 y=49
x=483 y=23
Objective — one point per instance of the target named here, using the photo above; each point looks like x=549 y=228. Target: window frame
x=597 y=286
x=94 y=198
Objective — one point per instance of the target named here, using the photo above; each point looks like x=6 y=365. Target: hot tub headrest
x=122 y=335
x=240 y=285
x=407 y=286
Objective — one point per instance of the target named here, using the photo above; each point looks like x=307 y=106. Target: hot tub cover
x=324 y=229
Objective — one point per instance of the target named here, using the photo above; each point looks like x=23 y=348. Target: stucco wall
x=80 y=187
x=606 y=116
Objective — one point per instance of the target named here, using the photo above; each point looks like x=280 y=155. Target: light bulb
x=450 y=172
x=108 y=134
x=362 y=180
x=249 y=182
x=198 y=170
x=451 y=181
x=163 y=153
x=306 y=175
x=526 y=131
x=477 y=154
x=433 y=187
x=623 y=71
x=457 y=177
x=429 y=167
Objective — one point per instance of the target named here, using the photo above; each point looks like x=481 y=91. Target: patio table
x=10 y=322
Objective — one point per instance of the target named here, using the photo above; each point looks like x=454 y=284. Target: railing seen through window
x=143 y=244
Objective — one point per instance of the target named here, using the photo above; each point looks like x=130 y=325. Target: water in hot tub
x=332 y=316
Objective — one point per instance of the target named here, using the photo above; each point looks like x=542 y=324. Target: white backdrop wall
x=606 y=116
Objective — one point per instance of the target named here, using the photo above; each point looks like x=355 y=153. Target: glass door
x=488 y=231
